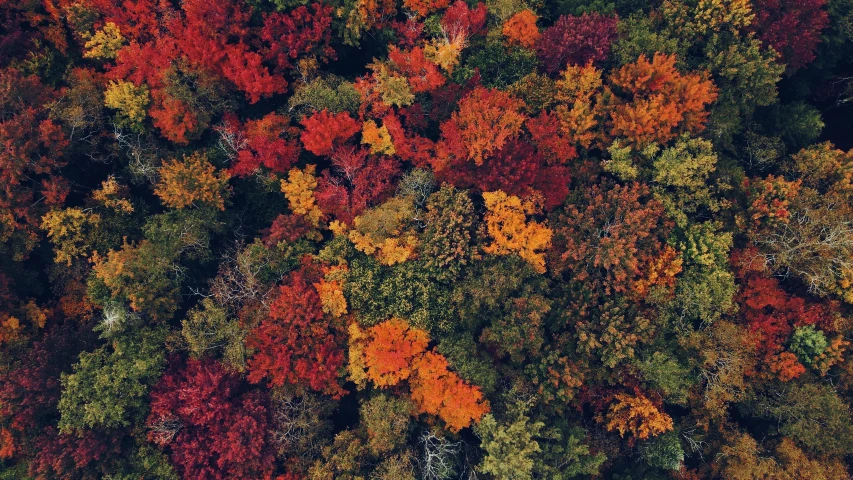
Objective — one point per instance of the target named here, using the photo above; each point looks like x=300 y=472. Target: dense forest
x=432 y=239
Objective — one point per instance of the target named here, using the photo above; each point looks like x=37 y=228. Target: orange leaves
x=192 y=181
x=785 y=366
x=390 y=355
x=637 y=416
x=425 y=7
x=659 y=102
x=521 y=29
x=486 y=121
x=507 y=224
x=438 y=391
x=661 y=271
x=393 y=351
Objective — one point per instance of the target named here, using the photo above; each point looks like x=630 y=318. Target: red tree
x=258 y=143
x=770 y=311
x=791 y=27
x=324 y=131
x=296 y=343
x=31 y=149
x=461 y=21
x=303 y=32
x=576 y=40
x=211 y=429
x=355 y=182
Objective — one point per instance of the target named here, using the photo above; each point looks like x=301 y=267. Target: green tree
x=108 y=386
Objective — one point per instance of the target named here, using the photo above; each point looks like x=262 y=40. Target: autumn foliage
x=382 y=239
x=297 y=344
x=392 y=351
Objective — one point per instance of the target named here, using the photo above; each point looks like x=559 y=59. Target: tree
x=32 y=152
x=576 y=41
x=192 y=181
x=129 y=100
x=791 y=28
x=390 y=355
x=108 y=386
x=609 y=237
x=323 y=131
x=210 y=426
x=660 y=102
x=447 y=241
x=392 y=351
x=438 y=391
x=258 y=143
x=521 y=29
x=511 y=448
x=303 y=32
x=813 y=415
x=299 y=189
x=296 y=344
x=486 y=121
x=637 y=416
x=388 y=421
x=356 y=182
x=507 y=224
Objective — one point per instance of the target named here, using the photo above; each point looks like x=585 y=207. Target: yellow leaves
x=381 y=231
x=331 y=292
x=378 y=138
x=10 y=325
x=577 y=88
x=34 y=314
x=636 y=416
x=127 y=98
x=191 y=181
x=68 y=230
x=10 y=329
x=299 y=188
x=709 y=16
x=445 y=53
x=105 y=43
x=357 y=366
x=507 y=224
x=111 y=194
x=579 y=82
x=394 y=89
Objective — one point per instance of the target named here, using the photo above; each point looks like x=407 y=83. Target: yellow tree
x=192 y=181
x=506 y=222
x=299 y=189
x=637 y=416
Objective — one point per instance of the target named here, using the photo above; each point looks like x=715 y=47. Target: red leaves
x=461 y=21
x=296 y=344
x=423 y=75
x=212 y=430
x=770 y=311
x=355 y=182
x=791 y=27
x=486 y=121
x=576 y=41
x=324 y=131
x=302 y=32
x=260 y=143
